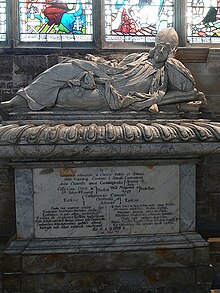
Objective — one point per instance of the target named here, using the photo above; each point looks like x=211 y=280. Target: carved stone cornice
x=145 y=132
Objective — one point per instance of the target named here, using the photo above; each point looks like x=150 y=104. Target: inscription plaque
x=96 y=201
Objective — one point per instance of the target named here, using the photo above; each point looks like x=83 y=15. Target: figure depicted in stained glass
x=138 y=17
x=56 y=17
x=124 y=22
x=66 y=19
x=54 y=11
x=139 y=81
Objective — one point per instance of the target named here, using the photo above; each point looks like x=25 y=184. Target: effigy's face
x=161 y=53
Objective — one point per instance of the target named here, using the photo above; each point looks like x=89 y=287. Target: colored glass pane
x=2 y=20
x=56 y=21
x=137 y=20
x=203 y=21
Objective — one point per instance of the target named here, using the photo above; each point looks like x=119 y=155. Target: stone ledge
x=107 y=244
x=130 y=151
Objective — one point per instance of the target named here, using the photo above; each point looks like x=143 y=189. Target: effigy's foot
x=17 y=101
x=6 y=105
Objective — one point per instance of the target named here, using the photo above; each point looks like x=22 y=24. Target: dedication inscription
x=96 y=201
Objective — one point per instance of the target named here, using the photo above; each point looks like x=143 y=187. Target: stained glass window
x=56 y=21
x=2 y=20
x=203 y=21
x=137 y=20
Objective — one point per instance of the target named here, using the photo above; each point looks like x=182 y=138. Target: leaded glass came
x=203 y=21
x=56 y=21
x=2 y=20
x=137 y=20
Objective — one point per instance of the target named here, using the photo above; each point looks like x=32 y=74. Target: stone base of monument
x=107 y=206
x=176 y=262
x=123 y=226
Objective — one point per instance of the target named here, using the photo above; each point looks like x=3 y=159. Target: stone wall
x=7 y=202
x=208 y=171
x=19 y=70
x=16 y=71
x=208 y=196
x=207 y=80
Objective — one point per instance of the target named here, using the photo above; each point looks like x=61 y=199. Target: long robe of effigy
x=134 y=83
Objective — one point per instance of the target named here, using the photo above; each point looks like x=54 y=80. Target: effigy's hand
x=90 y=57
x=201 y=97
x=111 y=62
x=139 y=95
x=154 y=108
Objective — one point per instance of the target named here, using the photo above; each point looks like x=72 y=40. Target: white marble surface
x=24 y=203
x=99 y=201
x=187 y=197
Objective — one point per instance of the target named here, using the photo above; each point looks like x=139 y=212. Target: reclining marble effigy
x=139 y=81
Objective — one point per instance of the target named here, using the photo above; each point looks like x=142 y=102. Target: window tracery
x=106 y=23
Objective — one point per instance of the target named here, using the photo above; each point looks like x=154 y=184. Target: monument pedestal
x=177 y=262
x=108 y=208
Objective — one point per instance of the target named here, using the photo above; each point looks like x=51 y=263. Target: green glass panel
x=203 y=21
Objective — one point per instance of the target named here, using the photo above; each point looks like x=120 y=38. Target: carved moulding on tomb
x=148 y=139
x=176 y=131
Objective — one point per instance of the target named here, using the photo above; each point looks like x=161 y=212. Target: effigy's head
x=168 y=35
x=161 y=52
